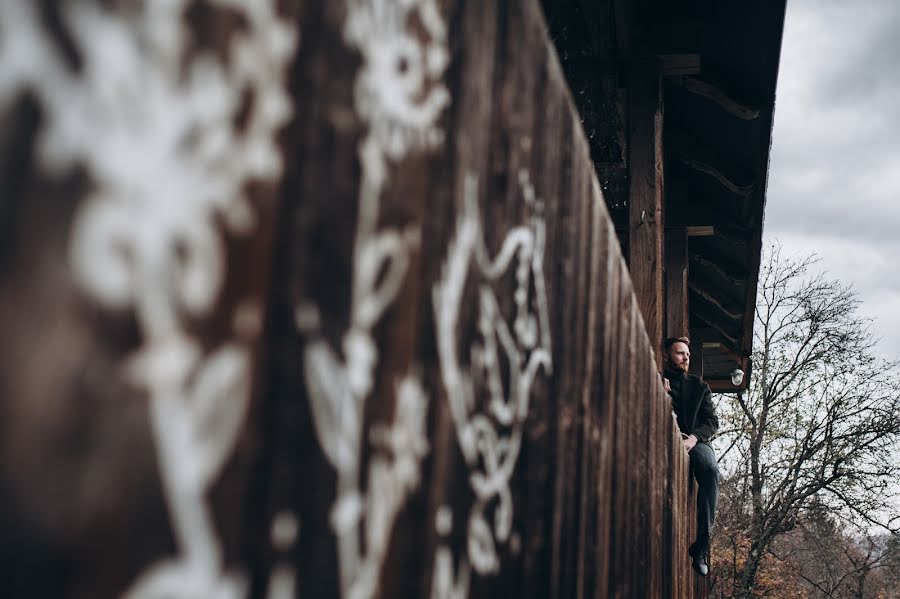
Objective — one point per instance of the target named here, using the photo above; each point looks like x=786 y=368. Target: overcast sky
x=834 y=183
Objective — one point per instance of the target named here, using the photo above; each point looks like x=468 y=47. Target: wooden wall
x=357 y=324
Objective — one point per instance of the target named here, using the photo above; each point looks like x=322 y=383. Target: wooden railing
x=402 y=360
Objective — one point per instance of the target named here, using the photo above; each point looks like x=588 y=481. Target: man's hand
x=667 y=385
x=689 y=442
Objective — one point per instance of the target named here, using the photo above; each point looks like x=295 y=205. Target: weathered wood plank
x=550 y=164
x=606 y=402
x=657 y=474
x=621 y=535
x=451 y=388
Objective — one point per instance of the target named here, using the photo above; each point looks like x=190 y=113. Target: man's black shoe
x=699 y=553
x=700 y=564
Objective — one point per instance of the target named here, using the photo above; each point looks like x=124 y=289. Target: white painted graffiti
x=445 y=583
x=399 y=95
x=283 y=577
x=489 y=431
x=153 y=123
x=394 y=468
x=399 y=91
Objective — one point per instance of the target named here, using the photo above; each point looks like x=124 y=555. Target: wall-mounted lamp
x=737 y=377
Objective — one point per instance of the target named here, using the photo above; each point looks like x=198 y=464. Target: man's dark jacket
x=698 y=415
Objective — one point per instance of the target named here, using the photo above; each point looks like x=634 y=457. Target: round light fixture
x=737 y=377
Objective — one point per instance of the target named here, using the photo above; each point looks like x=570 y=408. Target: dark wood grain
x=645 y=198
x=602 y=501
x=677 y=324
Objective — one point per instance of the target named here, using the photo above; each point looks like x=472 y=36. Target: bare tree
x=821 y=419
x=835 y=561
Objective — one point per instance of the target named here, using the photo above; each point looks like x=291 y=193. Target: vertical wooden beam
x=645 y=159
x=676 y=252
x=697 y=357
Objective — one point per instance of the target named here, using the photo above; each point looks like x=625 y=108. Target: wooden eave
x=719 y=65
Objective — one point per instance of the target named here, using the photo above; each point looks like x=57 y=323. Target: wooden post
x=676 y=282
x=645 y=159
x=697 y=357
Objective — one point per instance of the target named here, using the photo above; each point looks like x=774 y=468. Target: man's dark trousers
x=706 y=471
x=696 y=415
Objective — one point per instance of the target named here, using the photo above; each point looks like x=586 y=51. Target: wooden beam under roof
x=682 y=212
x=645 y=198
x=714 y=93
x=724 y=348
x=709 y=343
x=726 y=180
x=734 y=237
x=679 y=65
x=725 y=293
x=623 y=12
x=700 y=230
x=701 y=310
x=714 y=339
x=722 y=382
x=703 y=248
x=686 y=207
x=726 y=231
x=677 y=320
x=696 y=363
x=683 y=36
x=700 y=263
x=725 y=386
x=708 y=322
x=596 y=14
x=732 y=309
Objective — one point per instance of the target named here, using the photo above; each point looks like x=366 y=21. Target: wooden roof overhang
x=718 y=130
x=719 y=64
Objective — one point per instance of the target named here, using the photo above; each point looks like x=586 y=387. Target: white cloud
x=869 y=268
x=834 y=185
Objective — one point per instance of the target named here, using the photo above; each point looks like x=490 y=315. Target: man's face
x=679 y=356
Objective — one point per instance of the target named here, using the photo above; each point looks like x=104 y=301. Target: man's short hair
x=673 y=340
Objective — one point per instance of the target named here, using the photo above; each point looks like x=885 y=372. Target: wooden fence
x=323 y=302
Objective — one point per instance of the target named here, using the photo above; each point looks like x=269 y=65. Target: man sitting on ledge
x=696 y=415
